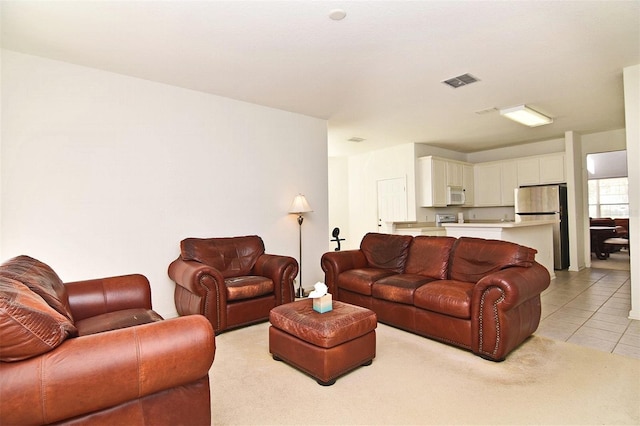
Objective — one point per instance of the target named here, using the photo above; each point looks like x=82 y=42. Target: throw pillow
x=41 y=279
x=28 y=325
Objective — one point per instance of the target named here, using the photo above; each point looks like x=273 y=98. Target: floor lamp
x=299 y=207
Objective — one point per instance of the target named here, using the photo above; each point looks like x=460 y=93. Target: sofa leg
x=329 y=383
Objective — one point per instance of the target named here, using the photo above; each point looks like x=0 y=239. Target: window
x=609 y=198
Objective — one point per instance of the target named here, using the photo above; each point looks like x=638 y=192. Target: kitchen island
x=537 y=234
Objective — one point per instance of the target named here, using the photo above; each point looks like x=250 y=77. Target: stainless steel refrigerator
x=547 y=202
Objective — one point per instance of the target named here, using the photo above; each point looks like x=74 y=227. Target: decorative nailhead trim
x=206 y=300
x=495 y=319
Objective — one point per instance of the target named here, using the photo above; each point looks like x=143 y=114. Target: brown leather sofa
x=231 y=281
x=94 y=352
x=480 y=295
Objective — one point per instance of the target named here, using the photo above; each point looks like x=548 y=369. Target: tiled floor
x=591 y=308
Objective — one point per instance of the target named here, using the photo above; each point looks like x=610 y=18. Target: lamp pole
x=300 y=206
x=300 y=288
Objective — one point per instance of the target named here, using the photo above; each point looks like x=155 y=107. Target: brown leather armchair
x=94 y=352
x=231 y=281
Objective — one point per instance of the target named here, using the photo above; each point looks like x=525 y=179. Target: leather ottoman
x=327 y=345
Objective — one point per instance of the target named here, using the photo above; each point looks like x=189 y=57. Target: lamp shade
x=525 y=115
x=300 y=205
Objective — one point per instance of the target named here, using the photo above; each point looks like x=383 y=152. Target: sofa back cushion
x=28 y=325
x=41 y=279
x=386 y=251
x=474 y=258
x=233 y=256
x=429 y=256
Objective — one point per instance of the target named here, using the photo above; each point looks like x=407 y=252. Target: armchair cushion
x=233 y=256
x=29 y=326
x=116 y=320
x=247 y=287
x=41 y=279
x=474 y=258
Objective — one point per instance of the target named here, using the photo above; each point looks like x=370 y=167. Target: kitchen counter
x=418 y=228
x=499 y=224
x=537 y=234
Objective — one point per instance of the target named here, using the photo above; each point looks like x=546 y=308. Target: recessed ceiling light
x=355 y=139
x=337 y=14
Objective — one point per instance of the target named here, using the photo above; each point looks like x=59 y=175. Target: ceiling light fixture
x=525 y=115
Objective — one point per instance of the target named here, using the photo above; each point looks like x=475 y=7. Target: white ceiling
x=377 y=74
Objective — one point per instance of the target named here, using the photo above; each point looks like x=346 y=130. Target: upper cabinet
x=432 y=182
x=435 y=174
x=541 y=169
x=495 y=183
x=485 y=184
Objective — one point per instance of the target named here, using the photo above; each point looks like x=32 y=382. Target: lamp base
x=301 y=293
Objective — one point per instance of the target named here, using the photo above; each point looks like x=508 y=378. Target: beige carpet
x=414 y=380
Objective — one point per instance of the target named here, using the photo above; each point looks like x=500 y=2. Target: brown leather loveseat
x=94 y=352
x=480 y=295
x=231 y=280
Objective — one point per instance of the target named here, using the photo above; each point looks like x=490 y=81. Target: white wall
x=104 y=174
x=338 y=197
x=364 y=172
x=632 y=120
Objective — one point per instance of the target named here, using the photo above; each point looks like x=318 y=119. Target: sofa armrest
x=517 y=284
x=335 y=262
x=200 y=289
x=100 y=371
x=93 y=297
x=281 y=270
x=506 y=309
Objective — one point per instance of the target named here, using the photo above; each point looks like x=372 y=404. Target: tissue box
x=323 y=304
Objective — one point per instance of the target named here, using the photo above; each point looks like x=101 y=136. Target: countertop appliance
x=547 y=202
x=445 y=218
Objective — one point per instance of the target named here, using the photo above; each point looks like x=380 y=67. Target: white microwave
x=455 y=196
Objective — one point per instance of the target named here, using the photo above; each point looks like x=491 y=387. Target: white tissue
x=319 y=290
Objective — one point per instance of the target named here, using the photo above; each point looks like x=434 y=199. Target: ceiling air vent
x=461 y=80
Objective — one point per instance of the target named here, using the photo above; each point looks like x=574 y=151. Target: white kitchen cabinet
x=468 y=184
x=552 y=169
x=509 y=182
x=487 y=184
x=454 y=174
x=436 y=174
x=528 y=171
x=541 y=169
x=432 y=182
x=494 y=183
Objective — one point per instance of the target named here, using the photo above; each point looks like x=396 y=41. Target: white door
x=392 y=203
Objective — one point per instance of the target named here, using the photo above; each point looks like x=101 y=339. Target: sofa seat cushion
x=247 y=287
x=429 y=256
x=445 y=297
x=28 y=325
x=360 y=280
x=474 y=258
x=41 y=279
x=116 y=320
x=398 y=288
